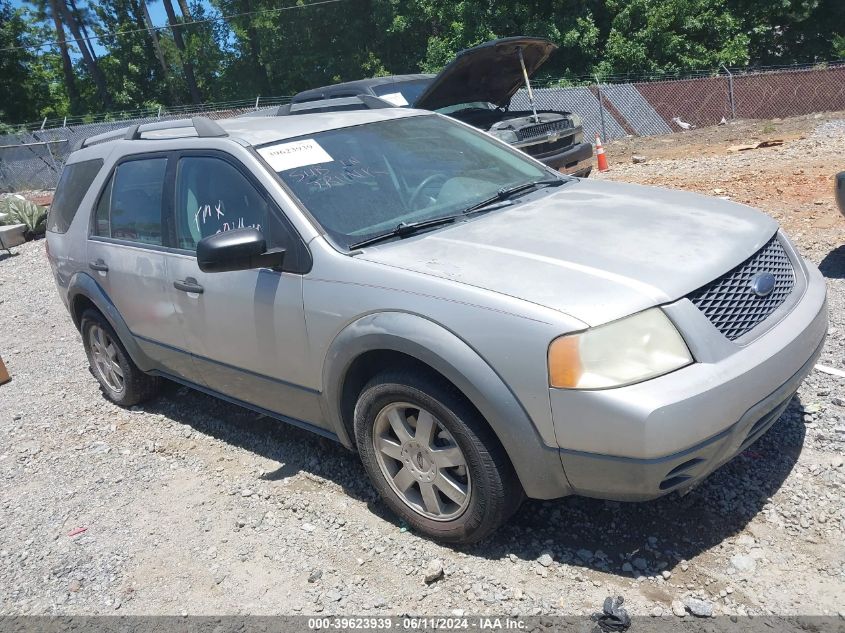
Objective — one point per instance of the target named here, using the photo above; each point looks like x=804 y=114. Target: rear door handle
x=188 y=284
x=99 y=265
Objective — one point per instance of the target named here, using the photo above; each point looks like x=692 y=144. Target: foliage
x=672 y=37
x=22 y=93
x=238 y=49
x=19 y=211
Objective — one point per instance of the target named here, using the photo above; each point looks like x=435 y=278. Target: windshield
x=473 y=105
x=402 y=93
x=358 y=182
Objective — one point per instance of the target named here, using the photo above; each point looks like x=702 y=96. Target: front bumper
x=645 y=440
x=576 y=160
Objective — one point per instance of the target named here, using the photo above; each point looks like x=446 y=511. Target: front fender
x=538 y=466
x=83 y=285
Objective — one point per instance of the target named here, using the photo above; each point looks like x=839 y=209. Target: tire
x=120 y=379
x=432 y=503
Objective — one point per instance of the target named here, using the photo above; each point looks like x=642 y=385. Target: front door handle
x=188 y=284
x=98 y=265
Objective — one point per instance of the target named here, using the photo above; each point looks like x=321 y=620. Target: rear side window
x=130 y=206
x=73 y=185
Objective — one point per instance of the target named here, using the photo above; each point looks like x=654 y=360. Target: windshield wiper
x=404 y=229
x=509 y=192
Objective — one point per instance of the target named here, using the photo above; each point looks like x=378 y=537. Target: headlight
x=630 y=350
x=508 y=136
x=576 y=120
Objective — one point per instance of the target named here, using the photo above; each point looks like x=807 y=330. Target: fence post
x=159 y=112
x=256 y=101
x=601 y=110
x=731 y=91
x=56 y=169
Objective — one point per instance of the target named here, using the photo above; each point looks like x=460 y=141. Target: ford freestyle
x=477 y=326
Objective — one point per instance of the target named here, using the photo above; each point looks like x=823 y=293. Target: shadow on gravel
x=833 y=264
x=604 y=535
x=5 y=256
x=600 y=535
x=297 y=450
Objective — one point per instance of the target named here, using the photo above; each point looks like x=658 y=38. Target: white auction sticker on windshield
x=286 y=156
x=396 y=98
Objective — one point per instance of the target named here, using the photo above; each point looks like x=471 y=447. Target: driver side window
x=212 y=196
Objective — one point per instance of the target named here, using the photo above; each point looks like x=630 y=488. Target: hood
x=489 y=72
x=594 y=250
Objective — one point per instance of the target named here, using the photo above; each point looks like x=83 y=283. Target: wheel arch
x=85 y=293
x=362 y=348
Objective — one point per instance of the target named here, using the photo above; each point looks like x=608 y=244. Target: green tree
x=792 y=31
x=24 y=88
x=134 y=76
x=658 y=37
x=187 y=65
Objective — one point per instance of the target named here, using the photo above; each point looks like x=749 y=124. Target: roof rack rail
x=205 y=128
x=336 y=104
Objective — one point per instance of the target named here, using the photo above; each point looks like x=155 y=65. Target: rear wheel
x=121 y=380
x=433 y=458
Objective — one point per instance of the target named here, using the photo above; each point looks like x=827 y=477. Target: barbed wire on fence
x=155 y=112
x=33 y=158
x=680 y=75
x=269 y=101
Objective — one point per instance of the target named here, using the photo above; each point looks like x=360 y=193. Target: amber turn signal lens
x=564 y=363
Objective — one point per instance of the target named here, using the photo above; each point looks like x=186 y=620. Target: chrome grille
x=541 y=129
x=729 y=302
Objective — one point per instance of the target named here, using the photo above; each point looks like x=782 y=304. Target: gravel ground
x=189 y=505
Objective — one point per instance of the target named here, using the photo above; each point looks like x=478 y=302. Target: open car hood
x=488 y=72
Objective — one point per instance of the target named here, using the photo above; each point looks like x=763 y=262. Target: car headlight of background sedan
x=636 y=348
x=508 y=136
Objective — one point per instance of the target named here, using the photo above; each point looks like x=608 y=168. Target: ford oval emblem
x=762 y=284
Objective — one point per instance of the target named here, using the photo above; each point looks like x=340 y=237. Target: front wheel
x=433 y=458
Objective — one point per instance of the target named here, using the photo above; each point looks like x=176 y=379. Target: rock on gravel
x=640 y=563
x=699 y=608
x=434 y=571
x=315 y=575
x=743 y=563
x=678 y=608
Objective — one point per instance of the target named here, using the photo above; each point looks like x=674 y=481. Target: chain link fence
x=33 y=158
x=646 y=108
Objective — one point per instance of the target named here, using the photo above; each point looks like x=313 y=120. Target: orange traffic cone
x=4 y=374
x=601 y=159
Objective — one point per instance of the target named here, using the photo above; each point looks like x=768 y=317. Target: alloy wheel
x=421 y=461
x=105 y=355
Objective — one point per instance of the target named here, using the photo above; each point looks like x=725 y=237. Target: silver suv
x=478 y=327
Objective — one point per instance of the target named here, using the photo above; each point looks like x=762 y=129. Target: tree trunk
x=157 y=47
x=79 y=20
x=187 y=66
x=90 y=62
x=186 y=11
x=67 y=65
x=141 y=25
x=255 y=53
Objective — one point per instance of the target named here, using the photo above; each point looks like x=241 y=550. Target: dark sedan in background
x=477 y=88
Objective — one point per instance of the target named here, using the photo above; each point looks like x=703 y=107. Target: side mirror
x=840 y=191
x=239 y=249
